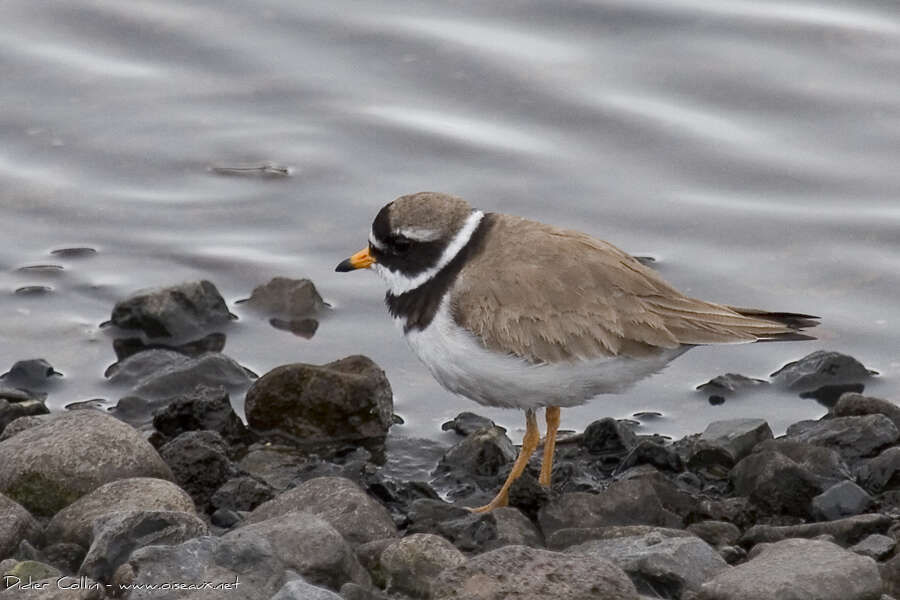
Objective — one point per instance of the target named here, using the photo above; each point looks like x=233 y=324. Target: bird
x=511 y=312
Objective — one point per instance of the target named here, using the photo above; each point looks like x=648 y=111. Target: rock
x=467 y=531
x=183 y=310
x=608 y=436
x=851 y=437
x=776 y=483
x=298 y=589
x=117 y=535
x=483 y=453
x=369 y=556
x=716 y=533
x=204 y=408
x=647 y=452
x=828 y=395
x=843 y=499
x=30 y=372
x=356 y=515
x=47 y=467
x=466 y=423
x=199 y=461
x=65 y=556
x=29 y=570
x=241 y=493
x=289 y=298
x=737 y=436
x=658 y=564
x=22 y=423
x=125 y=347
x=277 y=465
x=75 y=522
x=630 y=502
x=818 y=369
x=225 y=518
x=797 y=570
x=844 y=531
x=10 y=411
x=351 y=591
x=890 y=575
x=825 y=464
x=882 y=472
x=875 y=546
x=514 y=529
x=565 y=538
x=349 y=399
x=530 y=574
x=16 y=524
x=854 y=405
x=411 y=563
x=160 y=374
x=730 y=383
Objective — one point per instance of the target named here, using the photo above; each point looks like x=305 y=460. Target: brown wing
x=549 y=295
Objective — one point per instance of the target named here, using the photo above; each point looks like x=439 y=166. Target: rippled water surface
x=751 y=147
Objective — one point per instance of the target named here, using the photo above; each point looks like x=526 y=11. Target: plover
x=515 y=313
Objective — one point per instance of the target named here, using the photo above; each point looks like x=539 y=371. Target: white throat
x=398 y=283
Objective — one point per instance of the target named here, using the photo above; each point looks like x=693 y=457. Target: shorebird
x=515 y=313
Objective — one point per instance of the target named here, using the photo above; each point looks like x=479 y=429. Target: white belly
x=464 y=366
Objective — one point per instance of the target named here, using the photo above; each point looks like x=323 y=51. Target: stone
x=854 y=405
x=356 y=515
x=776 y=483
x=203 y=408
x=730 y=383
x=522 y=573
x=819 y=369
x=29 y=372
x=797 y=570
x=843 y=499
x=825 y=464
x=828 y=395
x=716 y=533
x=737 y=436
x=514 y=529
x=844 y=531
x=297 y=589
x=608 y=436
x=881 y=472
x=288 y=298
x=351 y=591
x=47 y=467
x=200 y=464
x=369 y=556
x=648 y=452
x=484 y=453
x=225 y=518
x=241 y=493
x=346 y=400
x=117 y=535
x=10 y=411
x=411 y=563
x=658 y=564
x=890 y=575
x=16 y=524
x=65 y=556
x=187 y=309
x=564 y=538
x=161 y=374
x=75 y=522
x=851 y=437
x=466 y=423
x=22 y=423
x=875 y=546
x=213 y=342
x=468 y=531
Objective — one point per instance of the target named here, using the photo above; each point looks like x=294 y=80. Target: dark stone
x=737 y=436
x=716 y=533
x=125 y=347
x=203 y=408
x=199 y=461
x=33 y=371
x=854 y=405
x=305 y=328
x=828 y=395
x=484 y=453
x=241 y=493
x=349 y=399
x=649 y=452
x=824 y=463
x=467 y=531
x=852 y=437
x=565 y=538
x=529 y=496
x=844 y=531
x=818 y=369
x=287 y=298
x=881 y=472
x=843 y=499
x=776 y=483
x=65 y=556
x=466 y=423
x=730 y=383
x=225 y=518
x=10 y=411
x=352 y=591
x=177 y=311
x=16 y=525
x=608 y=436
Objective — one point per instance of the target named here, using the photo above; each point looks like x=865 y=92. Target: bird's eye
x=400 y=244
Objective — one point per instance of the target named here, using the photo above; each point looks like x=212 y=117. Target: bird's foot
x=501 y=499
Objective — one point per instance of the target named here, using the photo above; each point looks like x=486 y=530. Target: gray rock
x=670 y=565
x=730 y=383
x=411 y=563
x=297 y=589
x=57 y=588
x=467 y=531
x=213 y=342
x=608 y=436
x=75 y=522
x=875 y=546
x=47 y=467
x=819 y=369
x=466 y=423
x=514 y=529
x=200 y=464
x=356 y=515
x=288 y=298
x=890 y=575
x=351 y=591
x=881 y=472
x=852 y=405
x=565 y=538
x=530 y=574
x=716 y=533
x=117 y=535
x=737 y=436
x=851 y=437
x=10 y=411
x=823 y=463
x=183 y=310
x=65 y=556
x=648 y=452
x=844 y=531
x=160 y=374
x=16 y=524
x=797 y=570
x=349 y=399
x=277 y=465
x=484 y=452
x=843 y=499
x=32 y=371
x=203 y=408
x=22 y=423
x=776 y=483
x=241 y=493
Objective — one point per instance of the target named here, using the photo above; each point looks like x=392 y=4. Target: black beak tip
x=344 y=266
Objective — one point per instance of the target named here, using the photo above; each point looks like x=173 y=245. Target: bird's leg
x=552 y=415
x=529 y=443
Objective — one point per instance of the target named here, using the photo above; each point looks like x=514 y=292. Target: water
x=751 y=147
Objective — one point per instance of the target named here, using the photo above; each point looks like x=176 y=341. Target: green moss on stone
x=40 y=495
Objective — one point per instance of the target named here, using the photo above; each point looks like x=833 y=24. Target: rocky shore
x=170 y=494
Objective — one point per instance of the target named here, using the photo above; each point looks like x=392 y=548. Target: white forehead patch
x=419 y=234
x=374 y=241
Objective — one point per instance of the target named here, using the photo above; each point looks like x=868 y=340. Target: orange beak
x=360 y=260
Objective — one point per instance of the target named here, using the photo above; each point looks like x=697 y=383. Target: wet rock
x=844 y=531
x=818 y=369
x=716 y=533
x=356 y=515
x=531 y=574
x=776 y=483
x=125 y=347
x=855 y=405
x=565 y=538
x=410 y=564
x=305 y=328
x=630 y=502
x=608 y=436
x=117 y=535
x=284 y=297
x=730 y=383
x=737 y=436
x=16 y=524
x=843 y=499
x=658 y=564
x=10 y=411
x=30 y=372
x=75 y=522
x=797 y=569
x=875 y=546
x=823 y=463
x=648 y=452
x=828 y=395
x=349 y=399
x=183 y=310
x=466 y=423
x=159 y=374
x=514 y=529
x=482 y=453
x=241 y=493
x=882 y=472
x=200 y=464
x=467 y=531
x=297 y=589
x=851 y=437
x=47 y=467
x=204 y=408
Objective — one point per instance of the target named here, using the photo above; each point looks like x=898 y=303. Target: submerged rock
x=33 y=371
x=819 y=369
x=182 y=310
x=466 y=423
x=288 y=298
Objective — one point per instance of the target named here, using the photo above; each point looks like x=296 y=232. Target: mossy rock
x=43 y=497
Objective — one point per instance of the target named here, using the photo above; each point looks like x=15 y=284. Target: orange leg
x=529 y=443
x=552 y=414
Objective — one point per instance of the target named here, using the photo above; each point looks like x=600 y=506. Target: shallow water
x=751 y=147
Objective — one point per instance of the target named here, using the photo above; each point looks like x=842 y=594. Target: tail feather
x=794 y=323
